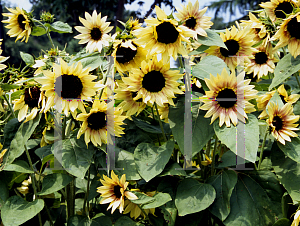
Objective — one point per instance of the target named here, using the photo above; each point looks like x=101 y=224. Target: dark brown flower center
x=284 y=7
x=166 y=33
x=261 y=58
x=154 y=81
x=293 y=28
x=21 y=18
x=96 y=34
x=117 y=191
x=134 y=94
x=277 y=123
x=97 y=120
x=232 y=46
x=190 y=23
x=32 y=96
x=226 y=98
x=70 y=85
x=124 y=55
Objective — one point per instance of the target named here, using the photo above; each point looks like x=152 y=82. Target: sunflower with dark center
x=163 y=36
x=289 y=34
x=194 y=18
x=94 y=32
x=238 y=43
x=114 y=192
x=31 y=100
x=100 y=123
x=128 y=55
x=69 y=84
x=278 y=8
x=154 y=82
x=18 y=23
x=228 y=98
x=281 y=121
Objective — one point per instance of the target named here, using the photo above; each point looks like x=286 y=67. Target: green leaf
x=160 y=199
x=27 y=58
x=276 y=99
x=43 y=151
x=4 y=192
x=209 y=65
x=8 y=87
x=60 y=27
x=16 y=210
x=98 y=220
x=224 y=184
x=251 y=140
x=212 y=39
x=10 y=129
x=150 y=160
x=93 y=188
x=291 y=149
x=146 y=126
x=171 y=169
x=142 y=198
x=76 y=158
x=230 y=159
x=193 y=196
x=126 y=221
x=199 y=50
x=282 y=222
x=19 y=166
x=38 y=31
x=93 y=61
x=54 y=182
x=249 y=204
x=287 y=66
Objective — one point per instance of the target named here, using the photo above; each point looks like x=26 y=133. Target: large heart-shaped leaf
x=291 y=149
x=54 y=182
x=98 y=220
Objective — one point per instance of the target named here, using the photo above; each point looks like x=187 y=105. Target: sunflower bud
x=47 y=17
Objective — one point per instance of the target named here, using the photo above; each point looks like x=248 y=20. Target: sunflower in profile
x=114 y=192
x=128 y=55
x=288 y=34
x=32 y=99
x=2 y=58
x=154 y=82
x=95 y=127
x=94 y=32
x=228 y=98
x=193 y=18
x=163 y=36
x=164 y=112
x=238 y=42
x=282 y=122
x=18 y=23
x=278 y=8
x=71 y=83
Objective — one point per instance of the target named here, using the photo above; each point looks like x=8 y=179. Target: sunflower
x=76 y=85
x=94 y=32
x=113 y=192
x=128 y=55
x=262 y=61
x=18 y=23
x=32 y=98
x=228 y=98
x=238 y=42
x=95 y=126
x=154 y=82
x=282 y=122
x=193 y=18
x=164 y=112
x=289 y=34
x=278 y=8
x=2 y=58
x=24 y=189
x=296 y=219
x=163 y=36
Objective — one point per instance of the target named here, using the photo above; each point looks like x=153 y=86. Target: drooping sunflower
x=18 y=23
x=278 y=8
x=288 y=34
x=94 y=32
x=114 y=192
x=163 y=36
x=32 y=99
x=228 y=98
x=95 y=127
x=71 y=83
x=154 y=82
x=282 y=122
x=238 y=43
x=193 y=18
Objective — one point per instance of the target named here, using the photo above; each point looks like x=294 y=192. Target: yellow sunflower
x=154 y=82
x=18 y=23
x=228 y=98
x=163 y=36
x=114 y=192
x=278 y=8
x=94 y=32
x=32 y=98
x=288 y=34
x=282 y=122
x=24 y=189
x=95 y=127
x=128 y=55
x=296 y=219
x=238 y=43
x=76 y=85
x=164 y=112
x=193 y=18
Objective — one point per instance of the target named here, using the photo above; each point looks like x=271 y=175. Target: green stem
x=160 y=123
x=284 y=52
x=86 y=210
x=154 y=119
x=214 y=156
x=9 y=105
x=147 y=217
x=101 y=91
x=24 y=68
x=296 y=76
x=262 y=149
x=47 y=32
x=180 y=62
x=69 y=126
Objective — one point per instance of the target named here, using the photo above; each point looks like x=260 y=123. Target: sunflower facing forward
x=278 y=8
x=18 y=23
x=228 y=98
x=94 y=32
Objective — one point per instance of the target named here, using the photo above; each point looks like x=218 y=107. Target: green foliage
x=54 y=182
x=212 y=39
